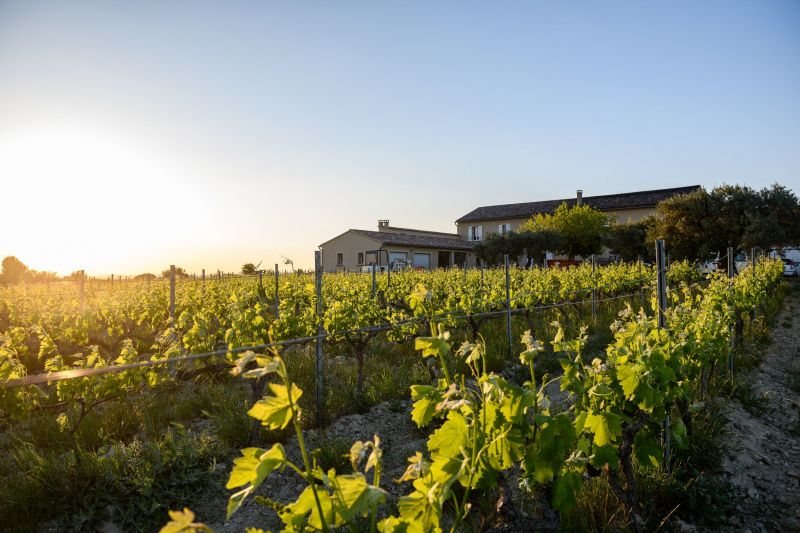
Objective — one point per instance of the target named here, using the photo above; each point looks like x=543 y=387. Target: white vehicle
x=377 y=268
x=710 y=265
x=790 y=268
x=741 y=261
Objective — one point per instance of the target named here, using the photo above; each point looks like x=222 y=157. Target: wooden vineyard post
x=82 y=289
x=372 y=269
x=172 y=293
x=661 y=298
x=731 y=269
x=594 y=294
x=508 y=305
x=277 y=301
x=320 y=378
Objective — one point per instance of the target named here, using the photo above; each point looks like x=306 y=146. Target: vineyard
x=120 y=402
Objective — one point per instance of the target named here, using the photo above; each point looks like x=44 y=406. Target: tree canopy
x=582 y=229
x=179 y=273
x=700 y=223
x=13 y=271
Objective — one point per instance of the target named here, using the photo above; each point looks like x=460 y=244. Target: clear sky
x=209 y=134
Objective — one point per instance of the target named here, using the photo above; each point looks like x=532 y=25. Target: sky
x=135 y=135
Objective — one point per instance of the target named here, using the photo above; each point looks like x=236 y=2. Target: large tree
x=13 y=270
x=582 y=229
x=700 y=223
x=775 y=221
x=629 y=240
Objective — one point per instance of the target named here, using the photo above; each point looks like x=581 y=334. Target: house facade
x=481 y=222
x=356 y=248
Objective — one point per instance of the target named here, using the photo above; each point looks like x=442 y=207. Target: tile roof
x=608 y=202
x=418 y=241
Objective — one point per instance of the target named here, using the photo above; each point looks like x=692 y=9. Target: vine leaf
x=275 y=411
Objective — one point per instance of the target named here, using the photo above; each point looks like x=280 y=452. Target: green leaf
x=255 y=465
x=565 y=488
x=431 y=346
x=425 y=399
x=647 y=449
x=448 y=441
x=678 y=431
x=394 y=524
x=274 y=411
x=236 y=500
x=606 y=426
x=304 y=510
x=183 y=522
x=355 y=497
x=628 y=376
x=602 y=455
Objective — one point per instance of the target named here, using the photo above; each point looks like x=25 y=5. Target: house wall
x=350 y=244
x=492 y=226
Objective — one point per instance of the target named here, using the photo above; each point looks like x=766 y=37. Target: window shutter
x=479 y=231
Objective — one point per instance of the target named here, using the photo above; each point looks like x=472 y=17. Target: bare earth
x=763 y=461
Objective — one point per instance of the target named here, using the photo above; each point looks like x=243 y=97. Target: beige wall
x=490 y=226
x=350 y=244
x=631 y=215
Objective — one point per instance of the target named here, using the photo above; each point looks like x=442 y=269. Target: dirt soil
x=763 y=458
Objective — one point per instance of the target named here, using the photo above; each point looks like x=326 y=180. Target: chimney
x=580 y=197
x=383 y=224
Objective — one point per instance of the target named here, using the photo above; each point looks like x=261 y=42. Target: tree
x=700 y=223
x=147 y=276
x=13 y=270
x=680 y=221
x=179 y=273
x=629 y=240
x=537 y=243
x=582 y=229
x=775 y=221
x=248 y=269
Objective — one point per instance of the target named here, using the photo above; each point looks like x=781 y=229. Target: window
x=360 y=258
x=503 y=228
x=339 y=259
x=459 y=258
x=475 y=233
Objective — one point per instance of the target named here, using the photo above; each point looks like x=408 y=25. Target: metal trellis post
x=594 y=294
x=277 y=301
x=731 y=271
x=508 y=304
x=661 y=298
x=320 y=332
x=172 y=292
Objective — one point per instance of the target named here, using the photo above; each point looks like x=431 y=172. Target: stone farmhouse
x=355 y=248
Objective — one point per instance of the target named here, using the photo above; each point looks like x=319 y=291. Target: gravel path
x=763 y=461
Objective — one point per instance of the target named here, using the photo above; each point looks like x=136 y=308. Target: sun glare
x=75 y=196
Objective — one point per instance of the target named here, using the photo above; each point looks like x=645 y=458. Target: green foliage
x=629 y=241
x=13 y=270
x=582 y=228
x=700 y=223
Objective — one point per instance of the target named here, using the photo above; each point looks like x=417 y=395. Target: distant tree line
x=693 y=226
x=14 y=271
